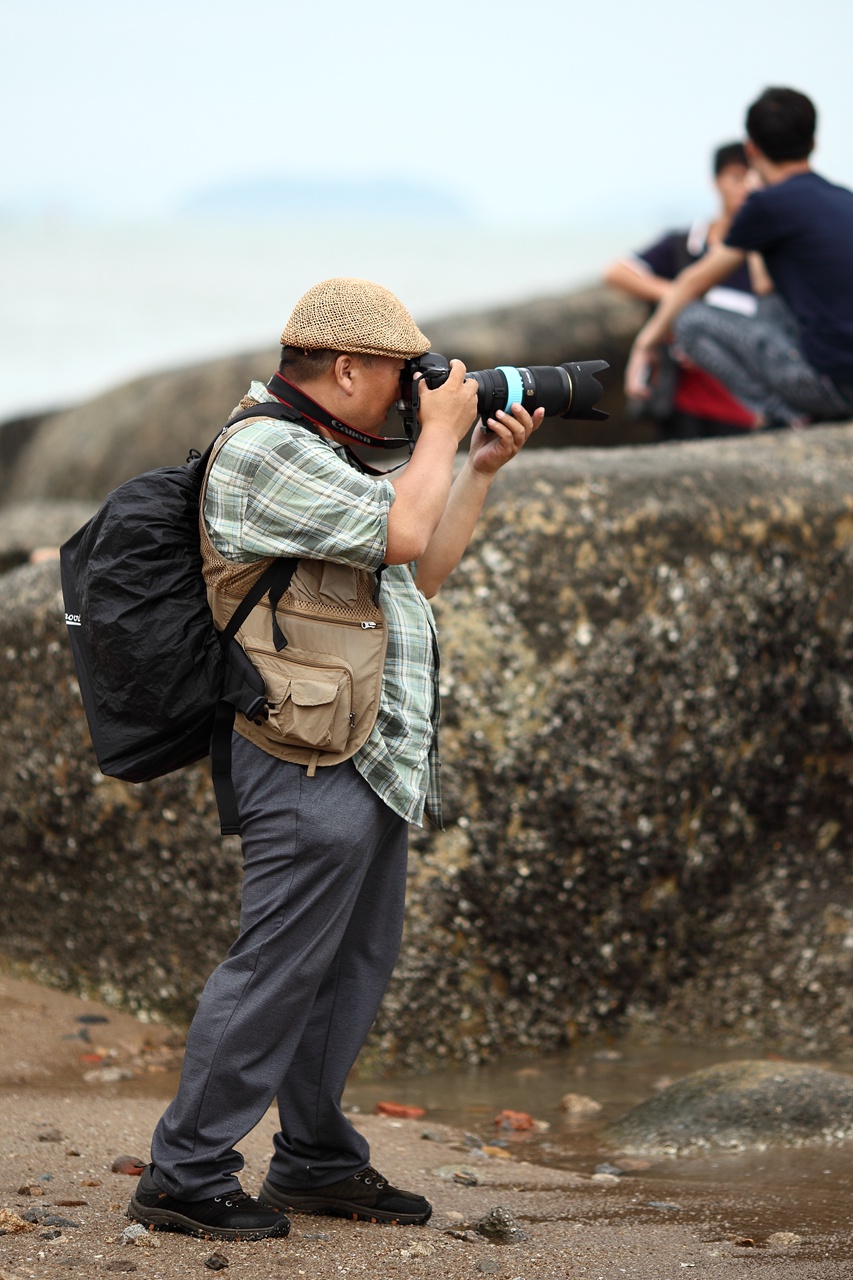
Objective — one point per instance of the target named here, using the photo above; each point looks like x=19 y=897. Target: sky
x=551 y=112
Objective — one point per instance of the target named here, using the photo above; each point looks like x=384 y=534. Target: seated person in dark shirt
x=793 y=363
x=687 y=401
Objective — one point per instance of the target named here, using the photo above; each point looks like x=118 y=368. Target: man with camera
x=793 y=362
x=285 y=1015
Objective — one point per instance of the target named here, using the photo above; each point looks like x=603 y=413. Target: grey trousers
x=285 y=1014
x=759 y=359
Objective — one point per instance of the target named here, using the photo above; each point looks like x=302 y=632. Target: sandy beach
x=81 y=1085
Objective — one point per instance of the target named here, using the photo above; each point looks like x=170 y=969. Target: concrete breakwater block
x=738 y=1105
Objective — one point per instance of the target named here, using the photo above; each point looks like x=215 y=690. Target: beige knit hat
x=355 y=316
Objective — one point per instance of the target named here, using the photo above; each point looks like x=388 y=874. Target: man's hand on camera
x=451 y=407
x=507 y=432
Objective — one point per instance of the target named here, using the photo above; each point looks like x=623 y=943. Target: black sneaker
x=233 y=1217
x=365 y=1197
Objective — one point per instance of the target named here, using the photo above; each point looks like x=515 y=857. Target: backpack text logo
x=73 y=620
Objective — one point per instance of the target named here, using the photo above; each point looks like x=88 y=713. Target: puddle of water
x=748 y=1196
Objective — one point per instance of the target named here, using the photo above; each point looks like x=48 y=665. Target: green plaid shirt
x=279 y=490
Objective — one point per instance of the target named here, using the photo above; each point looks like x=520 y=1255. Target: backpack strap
x=244 y=690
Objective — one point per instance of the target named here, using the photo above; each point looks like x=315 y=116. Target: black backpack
x=160 y=685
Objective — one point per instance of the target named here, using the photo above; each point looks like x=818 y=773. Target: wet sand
x=639 y=1226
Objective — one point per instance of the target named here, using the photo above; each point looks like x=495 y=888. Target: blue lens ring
x=514 y=385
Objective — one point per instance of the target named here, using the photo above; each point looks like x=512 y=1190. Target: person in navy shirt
x=793 y=363
x=687 y=402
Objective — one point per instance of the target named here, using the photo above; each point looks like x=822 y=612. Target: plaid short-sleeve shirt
x=279 y=490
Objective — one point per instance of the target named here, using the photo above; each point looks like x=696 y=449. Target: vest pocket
x=312 y=700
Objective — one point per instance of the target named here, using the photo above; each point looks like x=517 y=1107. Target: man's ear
x=344 y=369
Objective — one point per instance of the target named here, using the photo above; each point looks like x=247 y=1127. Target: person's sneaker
x=365 y=1197
x=233 y=1217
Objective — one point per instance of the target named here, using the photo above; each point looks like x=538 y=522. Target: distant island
x=328 y=199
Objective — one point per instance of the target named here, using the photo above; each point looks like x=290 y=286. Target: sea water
x=85 y=306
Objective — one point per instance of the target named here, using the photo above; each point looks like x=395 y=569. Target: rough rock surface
x=647 y=752
x=153 y=421
x=27 y=526
x=738 y=1105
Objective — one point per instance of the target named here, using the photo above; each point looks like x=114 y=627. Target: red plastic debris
x=129 y=1165
x=399 y=1111
x=518 y=1120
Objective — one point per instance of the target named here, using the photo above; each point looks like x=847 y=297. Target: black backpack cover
x=155 y=676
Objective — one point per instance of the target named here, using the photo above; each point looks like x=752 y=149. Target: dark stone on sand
x=647 y=746
x=738 y=1105
x=500 y=1227
x=217 y=1262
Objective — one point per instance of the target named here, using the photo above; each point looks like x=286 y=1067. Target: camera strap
x=291 y=395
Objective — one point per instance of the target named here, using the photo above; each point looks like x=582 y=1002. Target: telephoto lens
x=567 y=390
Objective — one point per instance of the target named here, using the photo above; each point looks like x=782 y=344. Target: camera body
x=565 y=390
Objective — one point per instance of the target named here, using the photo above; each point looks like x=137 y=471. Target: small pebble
x=131 y=1165
x=578 y=1104
x=613 y=1169
x=132 y=1233
x=50 y=1135
x=605 y=1179
x=488 y=1267
x=783 y=1239
x=30 y=1189
x=12 y=1223
x=662 y=1204
x=519 y=1121
x=500 y=1226
x=461 y=1174
x=50 y=1235
x=90 y=1019
x=108 y=1075
x=399 y=1111
x=216 y=1262
x=54 y=1220
x=120 y=1264
x=420 y=1249
x=315 y=1235
x=745 y=1242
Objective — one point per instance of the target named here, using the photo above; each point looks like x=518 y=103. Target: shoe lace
x=369 y=1175
x=233 y=1199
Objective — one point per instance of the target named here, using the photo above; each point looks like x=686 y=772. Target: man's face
x=377 y=387
x=733 y=184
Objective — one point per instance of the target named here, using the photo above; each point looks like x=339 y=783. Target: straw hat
x=355 y=316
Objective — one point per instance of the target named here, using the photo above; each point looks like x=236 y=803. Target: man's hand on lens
x=452 y=407
x=507 y=432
